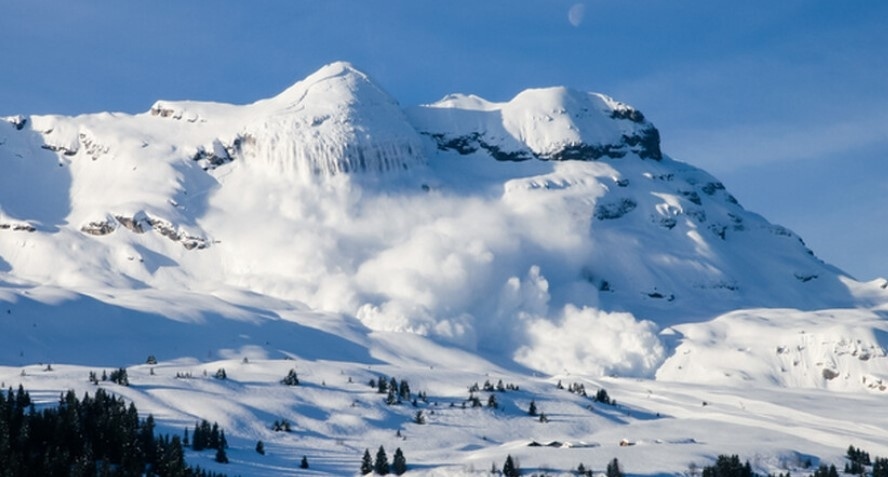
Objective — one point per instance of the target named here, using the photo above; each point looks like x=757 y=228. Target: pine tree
x=833 y=472
x=197 y=440
x=304 y=463
x=404 y=390
x=366 y=463
x=213 y=442
x=880 y=467
x=221 y=456
x=533 y=409
x=602 y=397
x=510 y=467
x=381 y=465
x=613 y=469
x=399 y=462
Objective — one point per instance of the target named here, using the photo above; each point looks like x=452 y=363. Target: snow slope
x=547 y=234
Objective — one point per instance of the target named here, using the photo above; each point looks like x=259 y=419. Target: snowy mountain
x=546 y=234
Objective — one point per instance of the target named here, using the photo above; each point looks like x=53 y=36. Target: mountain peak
x=336 y=68
x=339 y=82
x=336 y=120
x=555 y=123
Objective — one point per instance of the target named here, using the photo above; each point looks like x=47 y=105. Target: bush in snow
x=291 y=379
x=119 y=376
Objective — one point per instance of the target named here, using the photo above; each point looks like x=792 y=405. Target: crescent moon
x=576 y=13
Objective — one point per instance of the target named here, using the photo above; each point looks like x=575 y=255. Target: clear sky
x=786 y=102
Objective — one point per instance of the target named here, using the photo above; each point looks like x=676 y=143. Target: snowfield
x=330 y=231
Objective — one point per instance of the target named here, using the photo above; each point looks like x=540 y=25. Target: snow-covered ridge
x=550 y=123
x=336 y=121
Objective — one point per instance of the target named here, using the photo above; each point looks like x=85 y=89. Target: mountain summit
x=550 y=124
x=518 y=228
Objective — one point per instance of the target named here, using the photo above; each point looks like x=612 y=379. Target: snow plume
x=591 y=341
x=452 y=276
x=482 y=271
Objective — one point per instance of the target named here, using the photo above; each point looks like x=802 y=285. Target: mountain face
x=550 y=230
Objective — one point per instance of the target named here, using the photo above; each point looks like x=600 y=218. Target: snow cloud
x=499 y=272
x=590 y=341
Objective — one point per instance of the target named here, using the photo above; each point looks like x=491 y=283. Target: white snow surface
x=329 y=230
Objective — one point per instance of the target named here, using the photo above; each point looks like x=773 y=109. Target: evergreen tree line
x=614 y=469
x=118 y=376
x=489 y=387
x=580 y=389
x=859 y=460
x=728 y=466
x=93 y=436
x=824 y=471
x=212 y=437
x=396 y=391
x=381 y=466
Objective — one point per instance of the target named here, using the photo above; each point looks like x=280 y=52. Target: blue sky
x=786 y=102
